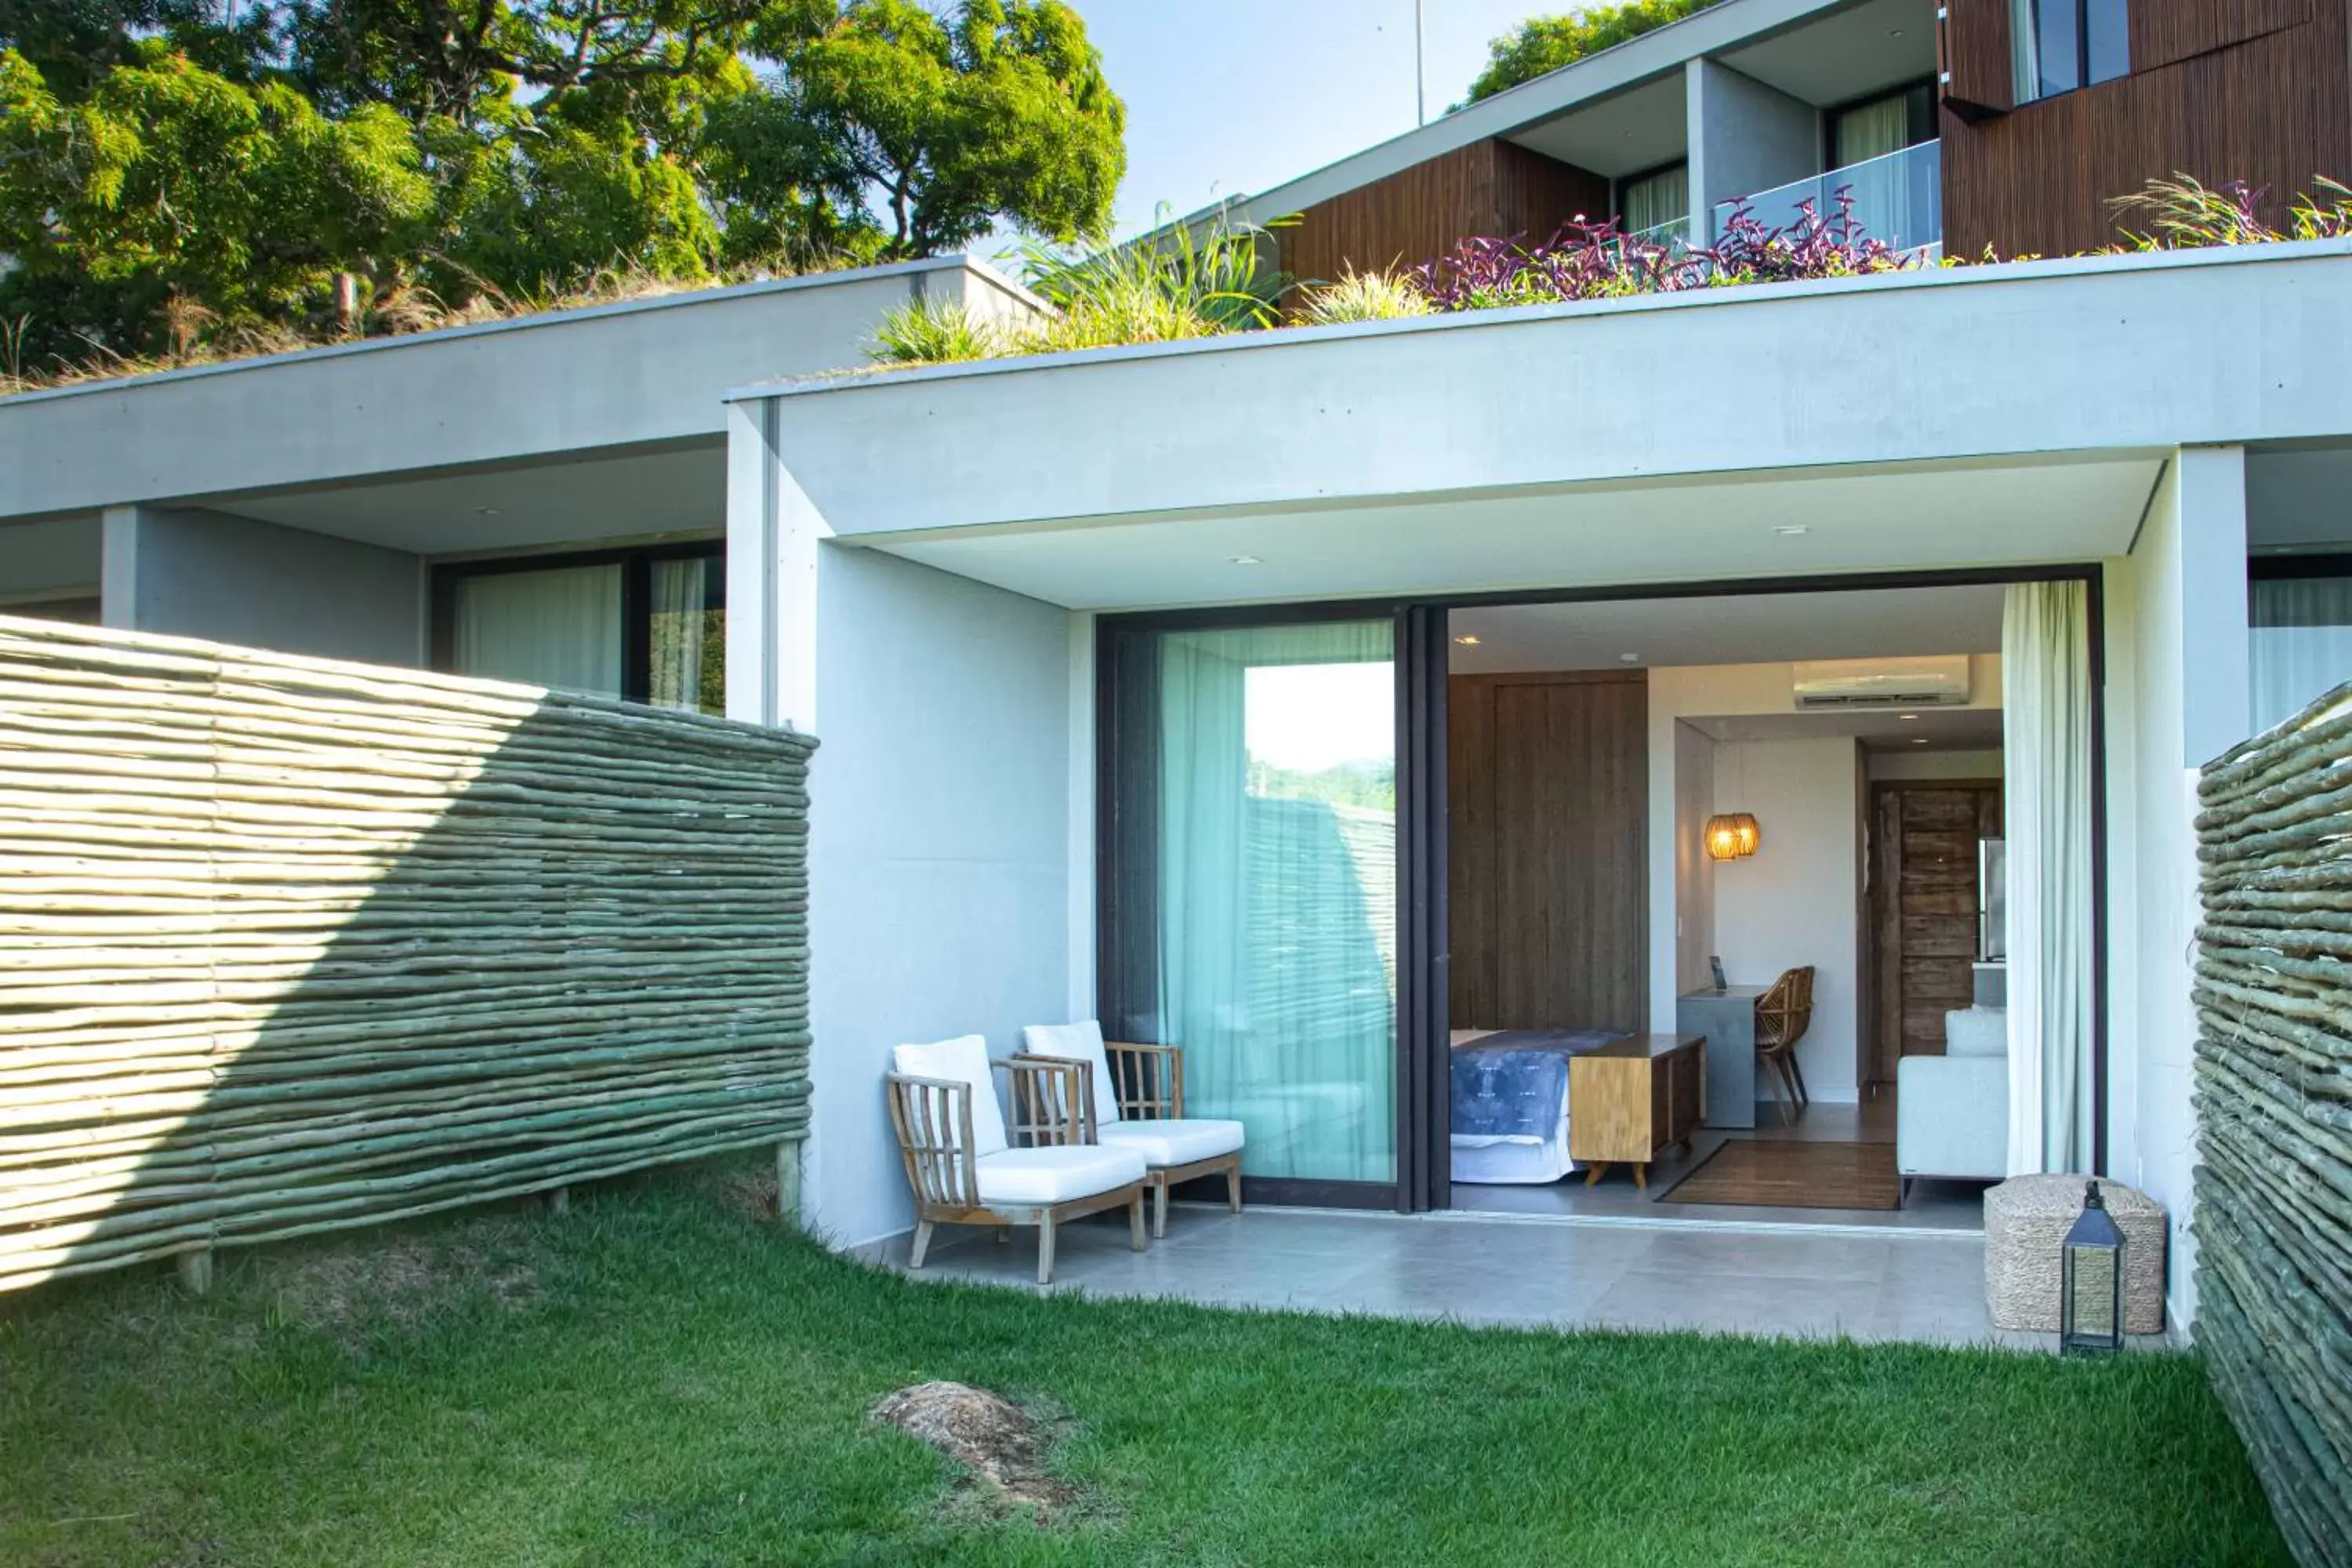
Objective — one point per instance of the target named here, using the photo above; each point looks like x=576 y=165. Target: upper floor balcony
x=1898 y=198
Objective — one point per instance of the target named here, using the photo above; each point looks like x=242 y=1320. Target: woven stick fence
x=2273 y=1219
x=288 y=945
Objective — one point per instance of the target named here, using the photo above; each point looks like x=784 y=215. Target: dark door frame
x=1423 y=1046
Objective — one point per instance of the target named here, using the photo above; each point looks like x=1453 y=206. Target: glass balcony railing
x=1673 y=231
x=1898 y=198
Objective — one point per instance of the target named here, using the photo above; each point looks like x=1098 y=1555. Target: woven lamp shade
x=1732 y=835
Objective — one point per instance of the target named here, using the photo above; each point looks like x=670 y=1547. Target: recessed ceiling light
x=1466 y=640
x=1918 y=739
x=1629 y=658
x=486 y=511
x=1790 y=530
x=1906 y=718
x=1246 y=560
x=1894 y=32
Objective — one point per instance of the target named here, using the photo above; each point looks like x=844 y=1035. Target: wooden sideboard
x=1631 y=1098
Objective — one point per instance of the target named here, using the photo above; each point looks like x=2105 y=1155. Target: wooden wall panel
x=1491 y=187
x=1548 y=851
x=1973 y=47
x=2164 y=31
x=2274 y=110
x=1921 y=931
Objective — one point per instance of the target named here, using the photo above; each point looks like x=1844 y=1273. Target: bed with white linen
x=1510 y=1104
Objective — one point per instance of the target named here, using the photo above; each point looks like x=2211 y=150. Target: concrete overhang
x=633 y=376
x=1967 y=416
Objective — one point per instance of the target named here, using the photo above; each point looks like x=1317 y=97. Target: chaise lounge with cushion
x=1133 y=1098
x=965 y=1166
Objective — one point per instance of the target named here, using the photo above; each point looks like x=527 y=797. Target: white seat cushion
x=1176 y=1142
x=963 y=1060
x=1018 y=1177
x=1078 y=1042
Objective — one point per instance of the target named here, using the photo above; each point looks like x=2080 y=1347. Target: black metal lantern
x=2091 y=1309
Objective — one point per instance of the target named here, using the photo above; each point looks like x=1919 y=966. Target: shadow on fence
x=288 y=945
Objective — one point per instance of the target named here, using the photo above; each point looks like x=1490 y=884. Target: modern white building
x=1141 y=673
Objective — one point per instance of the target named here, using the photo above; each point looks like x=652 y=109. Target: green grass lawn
x=661 y=1378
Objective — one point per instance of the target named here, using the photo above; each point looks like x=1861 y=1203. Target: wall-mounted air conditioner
x=1938 y=682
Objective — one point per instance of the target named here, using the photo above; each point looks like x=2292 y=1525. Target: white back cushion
x=1078 y=1042
x=1976 y=1032
x=964 y=1059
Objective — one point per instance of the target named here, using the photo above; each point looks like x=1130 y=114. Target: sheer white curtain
x=679 y=597
x=1873 y=130
x=2302 y=642
x=556 y=627
x=2025 y=52
x=2047 y=766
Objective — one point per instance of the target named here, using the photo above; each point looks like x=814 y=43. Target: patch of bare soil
x=403 y=1279
x=1000 y=1445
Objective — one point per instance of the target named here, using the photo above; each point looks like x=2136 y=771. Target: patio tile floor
x=1926 y=1286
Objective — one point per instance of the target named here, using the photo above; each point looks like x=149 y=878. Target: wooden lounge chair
x=966 y=1167
x=1783 y=1014
x=1134 y=1098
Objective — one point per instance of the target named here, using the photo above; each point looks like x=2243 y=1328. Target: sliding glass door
x=1249 y=899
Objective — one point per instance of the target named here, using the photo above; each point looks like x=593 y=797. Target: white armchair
x=966 y=1167
x=1951 y=1113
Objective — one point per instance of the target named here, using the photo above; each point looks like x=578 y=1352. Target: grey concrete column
x=2216 y=640
x=1743 y=137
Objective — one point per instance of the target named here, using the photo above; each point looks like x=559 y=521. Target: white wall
x=1691 y=916
x=1793 y=902
x=938 y=848
x=233 y=580
x=1743 y=137
x=2177 y=696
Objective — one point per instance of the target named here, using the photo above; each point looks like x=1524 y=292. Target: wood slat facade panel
x=1490 y=187
x=2272 y=109
x=1549 y=864
x=1972 y=46
x=2164 y=31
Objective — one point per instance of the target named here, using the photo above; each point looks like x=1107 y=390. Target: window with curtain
x=2058 y=46
x=686 y=635
x=1663 y=195
x=1251 y=887
x=2302 y=637
x=1879 y=126
x=648 y=624
x=560 y=627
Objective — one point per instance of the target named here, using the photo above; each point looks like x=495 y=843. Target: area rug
x=1785 y=1173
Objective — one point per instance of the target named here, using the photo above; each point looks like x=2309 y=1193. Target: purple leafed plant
x=1587 y=260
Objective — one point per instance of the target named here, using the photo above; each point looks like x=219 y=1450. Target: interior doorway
x=1595 y=932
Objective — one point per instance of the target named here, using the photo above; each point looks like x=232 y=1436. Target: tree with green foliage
x=996 y=111
x=170 y=198
x=165 y=173
x=1544 y=44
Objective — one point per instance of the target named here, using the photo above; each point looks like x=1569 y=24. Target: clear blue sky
x=1228 y=97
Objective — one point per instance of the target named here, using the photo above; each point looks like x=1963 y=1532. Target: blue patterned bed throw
x=1512 y=1085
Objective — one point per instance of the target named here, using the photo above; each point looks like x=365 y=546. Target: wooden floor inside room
x=1934 y=1205
x=1771 y=1172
